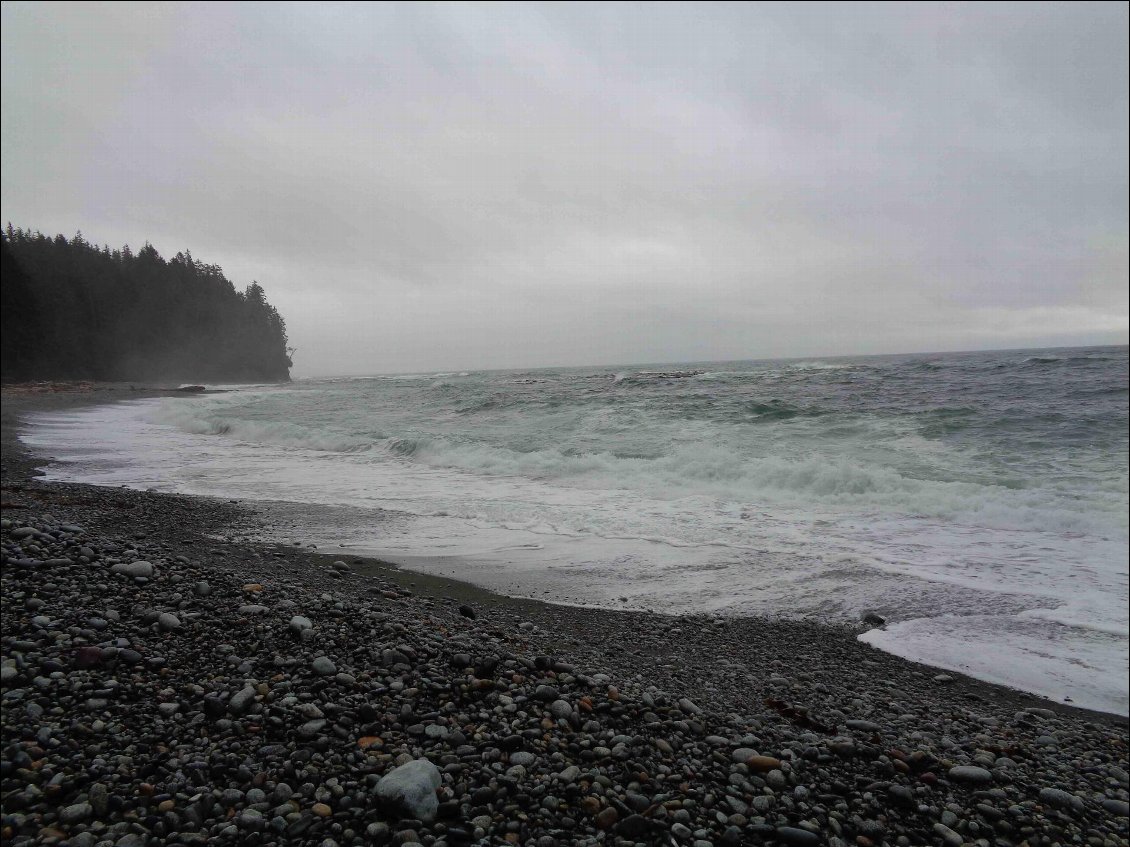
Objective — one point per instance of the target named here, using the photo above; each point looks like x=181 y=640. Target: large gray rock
x=71 y=815
x=411 y=788
x=241 y=700
x=970 y=774
x=134 y=569
x=1059 y=798
x=323 y=666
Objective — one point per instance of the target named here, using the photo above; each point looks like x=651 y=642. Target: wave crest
x=193 y=420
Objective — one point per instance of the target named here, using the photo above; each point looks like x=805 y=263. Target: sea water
x=977 y=501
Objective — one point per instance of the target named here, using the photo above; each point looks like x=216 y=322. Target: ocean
x=977 y=501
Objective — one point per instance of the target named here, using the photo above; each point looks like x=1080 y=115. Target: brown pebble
x=321 y=810
x=763 y=763
x=166 y=806
x=607 y=818
x=591 y=804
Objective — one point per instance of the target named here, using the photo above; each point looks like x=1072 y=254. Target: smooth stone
x=795 y=837
x=76 y=813
x=633 y=827
x=411 y=788
x=606 y=818
x=323 y=666
x=241 y=700
x=1117 y=807
x=951 y=838
x=763 y=764
x=1059 y=798
x=134 y=569
x=970 y=774
x=88 y=657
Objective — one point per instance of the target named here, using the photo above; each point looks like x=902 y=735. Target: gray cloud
x=429 y=186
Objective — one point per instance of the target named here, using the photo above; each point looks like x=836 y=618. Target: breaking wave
x=658 y=469
x=189 y=419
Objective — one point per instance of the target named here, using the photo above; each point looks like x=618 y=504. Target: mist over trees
x=74 y=310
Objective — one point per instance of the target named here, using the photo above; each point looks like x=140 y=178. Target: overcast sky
x=471 y=186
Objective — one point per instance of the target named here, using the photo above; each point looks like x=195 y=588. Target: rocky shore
x=165 y=682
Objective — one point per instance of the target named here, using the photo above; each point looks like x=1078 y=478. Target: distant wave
x=655 y=376
x=1080 y=619
x=1036 y=361
x=778 y=410
x=187 y=418
x=822 y=366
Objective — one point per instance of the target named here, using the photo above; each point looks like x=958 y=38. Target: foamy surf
x=972 y=500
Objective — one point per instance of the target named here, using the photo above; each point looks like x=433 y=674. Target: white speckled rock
x=412 y=789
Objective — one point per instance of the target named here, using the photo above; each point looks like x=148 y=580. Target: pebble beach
x=167 y=681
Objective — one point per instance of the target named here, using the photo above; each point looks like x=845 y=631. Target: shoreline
x=436 y=585
x=724 y=731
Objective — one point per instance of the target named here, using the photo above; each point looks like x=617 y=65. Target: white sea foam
x=700 y=468
x=1082 y=668
x=188 y=419
x=821 y=366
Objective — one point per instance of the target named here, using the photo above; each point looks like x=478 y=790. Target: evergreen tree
x=75 y=310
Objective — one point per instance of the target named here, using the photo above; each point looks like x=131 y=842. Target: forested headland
x=75 y=310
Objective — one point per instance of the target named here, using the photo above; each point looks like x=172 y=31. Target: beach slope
x=165 y=682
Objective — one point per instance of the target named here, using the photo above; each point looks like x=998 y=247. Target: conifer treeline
x=74 y=310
